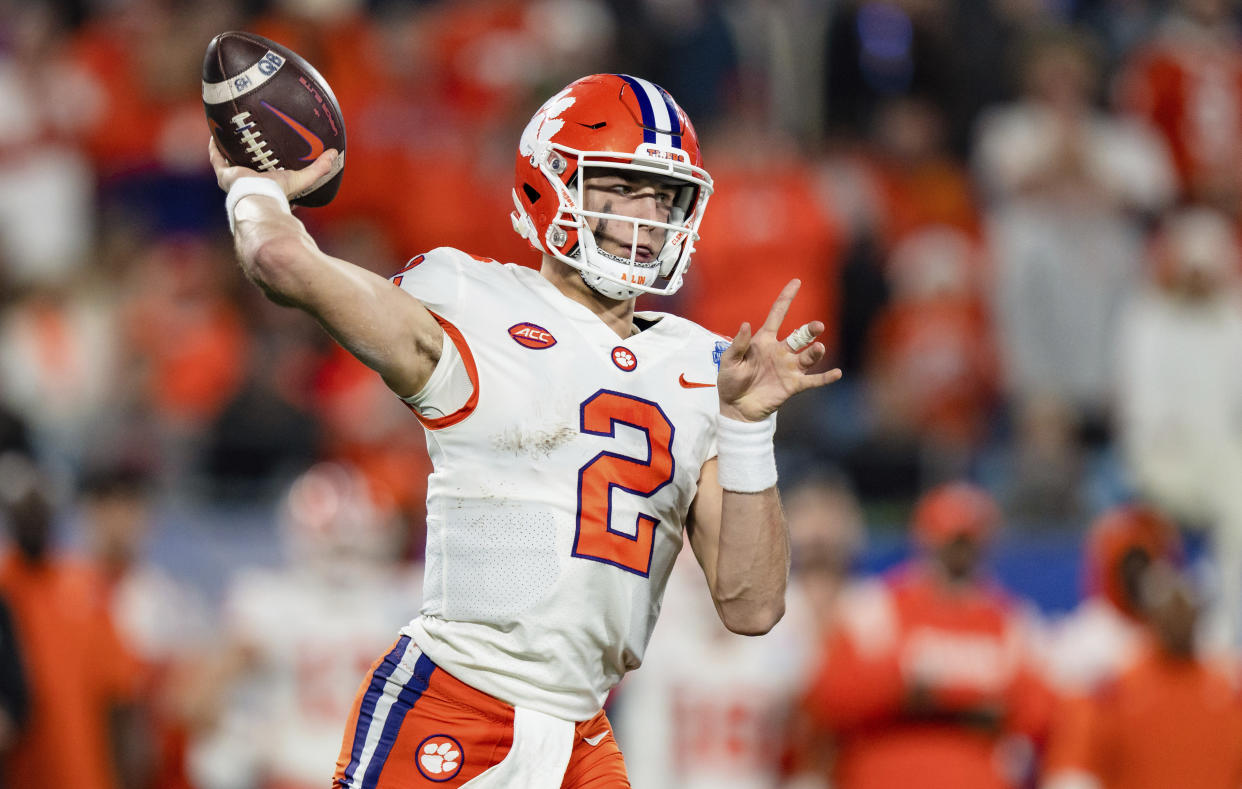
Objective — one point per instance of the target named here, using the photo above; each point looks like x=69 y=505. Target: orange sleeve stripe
x=472 y=371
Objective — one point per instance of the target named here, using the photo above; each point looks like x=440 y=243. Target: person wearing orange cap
x=1098 y=637
x=1092 y=645
x=930 y=677
x=1172 y=717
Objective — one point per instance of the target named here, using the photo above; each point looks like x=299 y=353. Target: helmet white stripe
x=659 y=111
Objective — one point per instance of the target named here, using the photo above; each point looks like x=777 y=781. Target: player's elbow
x=274 y=264
x=752 y=619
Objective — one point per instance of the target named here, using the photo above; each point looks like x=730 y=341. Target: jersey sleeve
x=436 y=278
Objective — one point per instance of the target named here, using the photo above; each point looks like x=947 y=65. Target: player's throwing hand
x=760 y=371
x=291 y=181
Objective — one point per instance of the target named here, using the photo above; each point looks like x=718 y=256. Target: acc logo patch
x=528 y=335
x=718 y=351
x=439 y=757
x=624 y=358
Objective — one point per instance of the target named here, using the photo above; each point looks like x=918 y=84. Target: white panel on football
x=250 y=79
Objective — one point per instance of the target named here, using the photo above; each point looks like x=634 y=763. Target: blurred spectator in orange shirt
x=370 y=430
x=709 y=709
x=14 y=692
x=1187 y=82
x=827 y=534
x=915 y=179
x=1103 y=636
x=1173 y=718
x=423 y=91
x=137 y=67
x=767 y=224
x=932 y=367
x=379 y=75
x=159 y=619
x=83 y=731
x=930 y=679
x=187 y=343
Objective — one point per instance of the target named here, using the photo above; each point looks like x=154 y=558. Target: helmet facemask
x=623 y=276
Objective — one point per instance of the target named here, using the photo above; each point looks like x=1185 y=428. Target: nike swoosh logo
x=692 y=384
x=312 y=139
x=596 y=739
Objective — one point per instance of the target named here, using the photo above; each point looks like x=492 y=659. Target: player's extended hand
x=760 y=371
x=292 y=181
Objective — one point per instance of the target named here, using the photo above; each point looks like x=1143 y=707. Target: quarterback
x=575 y=441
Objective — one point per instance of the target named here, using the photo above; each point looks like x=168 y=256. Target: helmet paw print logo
x=439 y=757
x=546 y=123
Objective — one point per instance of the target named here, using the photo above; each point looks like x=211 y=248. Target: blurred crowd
x=1019 y=218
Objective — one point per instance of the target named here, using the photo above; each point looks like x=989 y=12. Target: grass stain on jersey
x=534 y=443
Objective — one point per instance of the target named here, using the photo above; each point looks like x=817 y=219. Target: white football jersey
x=709 y=708
x=1093 y=643
x=312 y=638
x=560 y=490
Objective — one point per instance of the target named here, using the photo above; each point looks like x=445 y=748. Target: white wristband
x=745 y=456
x=253 y=185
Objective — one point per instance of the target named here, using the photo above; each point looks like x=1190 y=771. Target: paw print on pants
x=439 y=757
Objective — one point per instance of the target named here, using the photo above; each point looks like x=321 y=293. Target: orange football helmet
x=615 y=122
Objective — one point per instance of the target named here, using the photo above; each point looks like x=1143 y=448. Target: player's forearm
x=274 y=250
x=752 y=565
x=382 y=327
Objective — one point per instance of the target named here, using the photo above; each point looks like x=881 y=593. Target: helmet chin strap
x=595 y=260
x=606 y=287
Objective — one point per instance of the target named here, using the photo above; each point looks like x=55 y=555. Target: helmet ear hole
x=532 y=194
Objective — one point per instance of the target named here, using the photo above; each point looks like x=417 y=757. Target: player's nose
x=648 y=205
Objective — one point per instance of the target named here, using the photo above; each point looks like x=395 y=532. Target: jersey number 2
x=595 y=538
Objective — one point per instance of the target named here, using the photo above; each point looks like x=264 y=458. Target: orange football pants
x=415 y=725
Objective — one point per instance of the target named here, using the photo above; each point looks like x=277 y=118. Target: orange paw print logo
x=439 y=757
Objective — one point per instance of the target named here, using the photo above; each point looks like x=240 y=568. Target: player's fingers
x=781 y=306
x=820 y=379
x=213 y=154
x=326 y=159
x=804 y=335
x=314 y=172
x=299 y=180
x=811 y=355
x=741 y=342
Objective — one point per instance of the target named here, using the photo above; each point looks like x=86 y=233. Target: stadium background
x=863 y=146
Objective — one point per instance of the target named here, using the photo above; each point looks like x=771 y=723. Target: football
x=268 y=109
